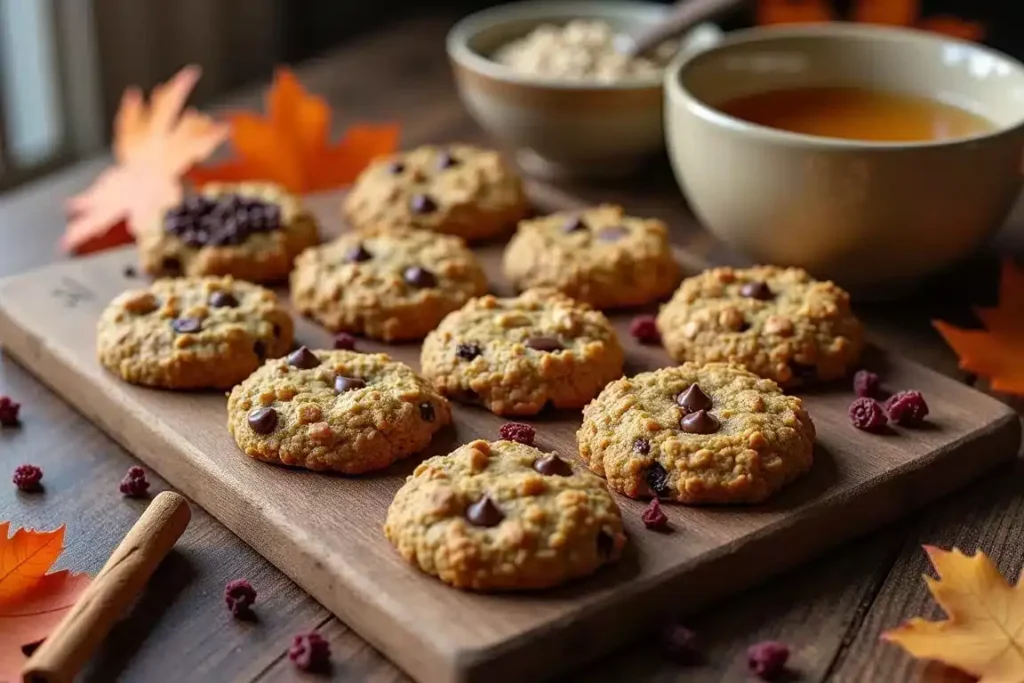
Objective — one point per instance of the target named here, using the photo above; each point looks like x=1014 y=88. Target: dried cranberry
x=907 y=408
x=9 y=412
x=27 y=477
x=310 y=652
x=867 y=414
x=679 y=644
x=642 y=445
x=653 y=516
x=517 y=431
x=468 y=351
x=135 y=484
x=866 y=383
x=767 y=659
x=240 y=596
x=657 y=479
x=344 y=341
x=644 y=329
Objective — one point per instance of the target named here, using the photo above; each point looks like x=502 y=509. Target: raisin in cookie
x=518 y=355
x=504 y=516
x=252 y=231
x=389 y=285
x=458 y=189
x=192 y=333
x=778 y=322
x=598 y=256
x=335 y=410
x=695 y=434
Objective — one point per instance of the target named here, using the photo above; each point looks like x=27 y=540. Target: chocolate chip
x=468 y=351
x=262 y=420
x=170 y=265
x=186 y=325
x=129 y=271
x=694 y=399
x=552 y=465
x=343 y=384
x=642 y=445
x=700 y=422
x=260 y=349
x=446 y=160
x=574 y=224
x=419 y=277
x=613 y=234
x=544 y=344
x=756 y=290
x=657 y=480
x=422 y=203
x=605 y=543
x=396 y=167
x=357 y=254
x=427 y=411
x=303 y=358
x=223 y=300
x=484 y=512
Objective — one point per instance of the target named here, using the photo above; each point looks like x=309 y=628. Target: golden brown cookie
x=504 y=516
x=713 y=433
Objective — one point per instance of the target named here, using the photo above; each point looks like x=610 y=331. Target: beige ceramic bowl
x=868 y=215
x=560 y=128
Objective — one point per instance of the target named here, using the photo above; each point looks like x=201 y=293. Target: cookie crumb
x=644 y=329
x=518 y=432
x=240 y=596
x=867 y=414
x=866 y=384
x=907 y=408
x=9 y=412
x=310 y=652
x=654 y=517
x=767 y=659
x=135 y=484
x=679 y=644
x=343 y=341
x=27 y=478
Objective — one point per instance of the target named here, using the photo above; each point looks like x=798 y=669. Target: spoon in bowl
x=683 y=16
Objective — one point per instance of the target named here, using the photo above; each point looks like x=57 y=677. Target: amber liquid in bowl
x=857 y=114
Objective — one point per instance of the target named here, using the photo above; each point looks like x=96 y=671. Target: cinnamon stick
x=66 y=650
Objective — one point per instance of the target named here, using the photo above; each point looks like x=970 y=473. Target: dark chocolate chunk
x=427 y=412
x=422 y=203
x=613 y=234
x=700 y=422
x=756 y=290
x=343 y=384
x=303 y=358
x=484 y=512
x=642 y=445
x=419 y=277
x=552 y=465
x=223 y=300
x=186 y=325
x=262 y=420
x=544 y=344
x=357 y=254
x=694 y=399
x=468 y=351
x=657 y=480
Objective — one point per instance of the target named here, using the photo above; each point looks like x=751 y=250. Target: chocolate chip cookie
x=515 y=356
x=599 y=256
x=252 y=231
x=457 y=189
x=696 y=434
x=391 y=285
x=192 y=333
x=778 y=322
x=504 y=516
x=335 y=410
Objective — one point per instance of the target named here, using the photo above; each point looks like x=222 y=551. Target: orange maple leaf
x=984 y=634
x=154 y=145
x=291 y=146
x=996 y=352
x=32 y=602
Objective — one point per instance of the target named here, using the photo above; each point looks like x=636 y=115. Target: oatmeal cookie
x=713 y=433
x=252 y=231
x=598 y=256
x=192 y=333
x=391 y=285
x=517 y=355
x=458 y=189
x=504 y=516
x=778 y=322
x=335 y=410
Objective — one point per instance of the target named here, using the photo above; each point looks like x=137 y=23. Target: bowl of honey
x=868 y=155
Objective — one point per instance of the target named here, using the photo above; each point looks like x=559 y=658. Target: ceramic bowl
x=869 y=215
x=561 y=128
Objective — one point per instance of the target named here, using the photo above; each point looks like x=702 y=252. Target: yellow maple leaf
x=984 y=634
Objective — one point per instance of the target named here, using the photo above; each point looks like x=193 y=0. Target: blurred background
x=64 y=63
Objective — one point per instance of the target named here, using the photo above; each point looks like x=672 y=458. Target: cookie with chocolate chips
x=518 y=355
x=457 y=189
x=778 y=322
x=342 y=411
x=252 y=231
x=504 y=516
x=192 y=333
x=696 y=434
x=391 y=285
x=599 y=256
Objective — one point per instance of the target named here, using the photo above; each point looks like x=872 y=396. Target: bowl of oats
x=548 y=80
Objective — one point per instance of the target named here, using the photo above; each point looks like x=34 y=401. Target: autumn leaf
x=793 y=11
x=154 y=145
x=997 y=352
x=291 y=146
x=984 y=634
x=32 y=602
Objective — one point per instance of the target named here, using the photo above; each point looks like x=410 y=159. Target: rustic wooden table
x=831 y=611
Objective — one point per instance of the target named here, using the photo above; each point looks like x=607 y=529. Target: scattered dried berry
x=644 y=329
x=517 y=431
x=135 y=484
x=679 y=644
x=657 y=479
x=344 y=341
x=27 y=477
x=767 y=659
x=867 y=414
x=866 y=384
x=654 y=517
x=240 y=596
x=9 y=412
x=907 y=408
x=310 y=652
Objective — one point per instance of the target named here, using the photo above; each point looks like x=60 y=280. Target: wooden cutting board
x=325 y=531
